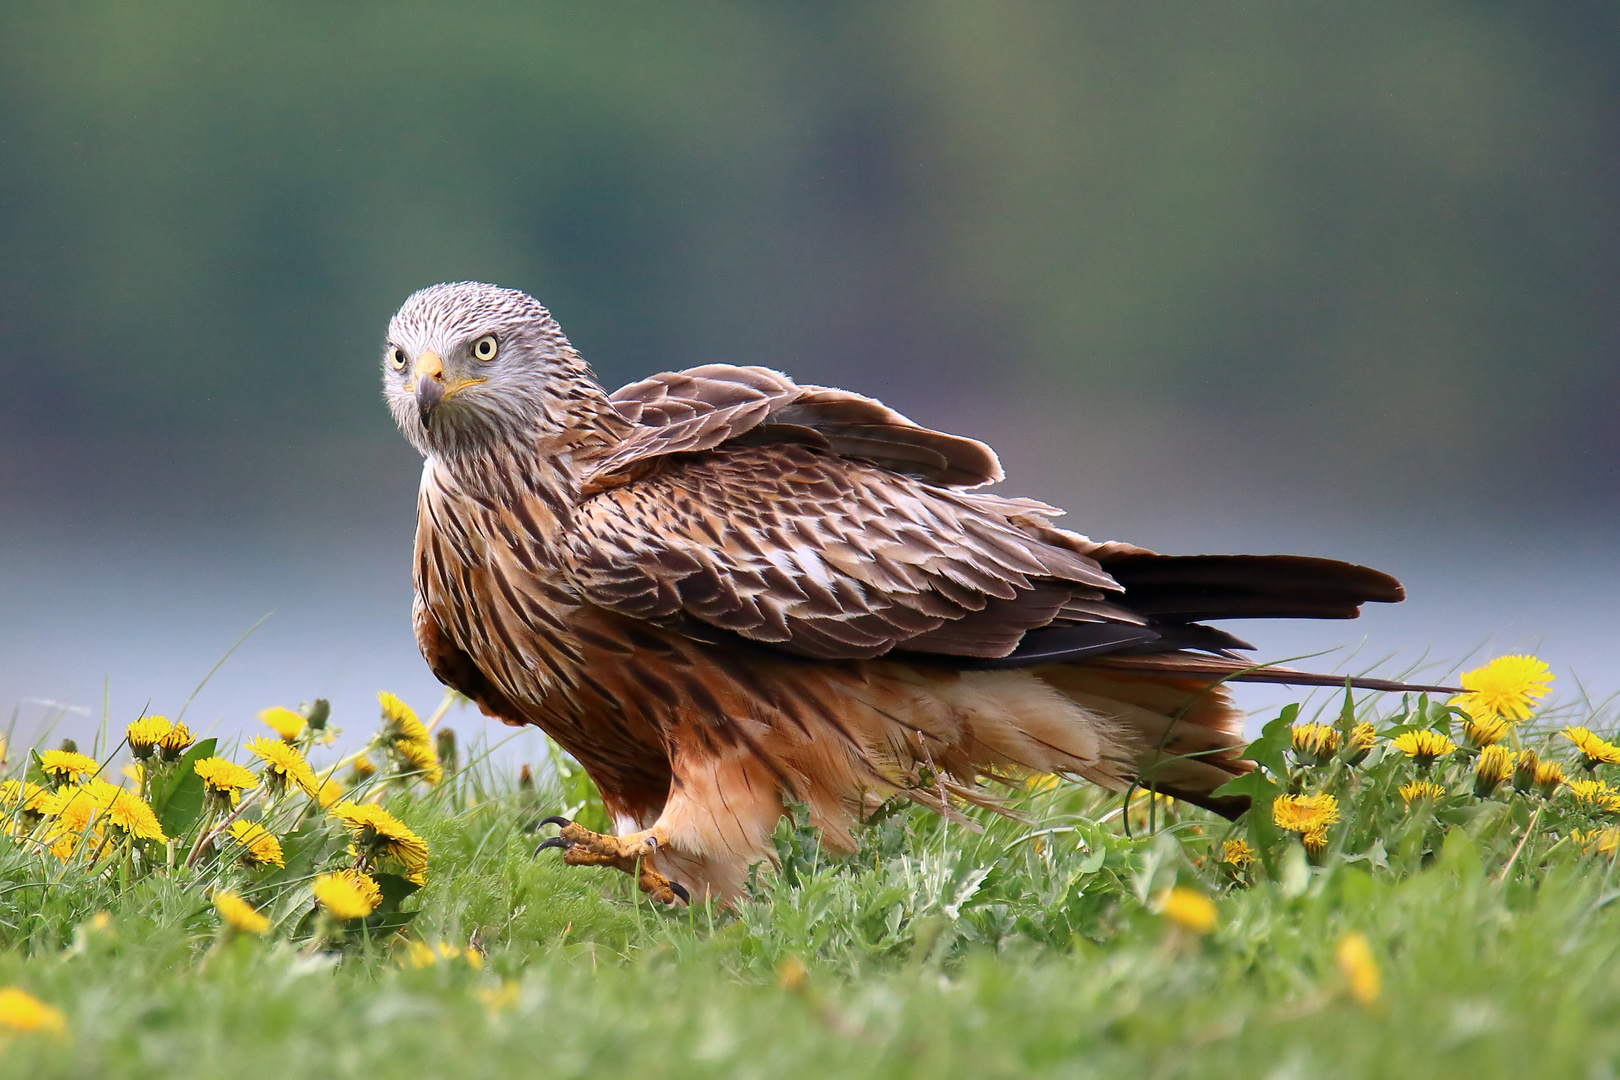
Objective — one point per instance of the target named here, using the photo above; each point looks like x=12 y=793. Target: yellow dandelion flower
x=260 y=844
x=1355 y=959
x=1360 y=743
x=362 y=769
x=73 y=814
x=1187 y=909
x=22 y=1011
x=1494 y=766
x=1549 y=774
x=67 y=766
x=1236 y=853
x=146 y=734
x=1420 y=789
x=419 y=954
x=225 y=779
x=1596 y=841
x=496 y=998
x=239 y=914
x=283 y=764
x=1485 y=730
x=1594 y=749
x=175 y=742
x=26 y=797
x=399 y=720
x=331 y=791
x=284 y=722
x=1315 y=744
x=129 y=812
x=1305 y=813
x=421 y=759
x=347 y=894
x=1315 y=840
x=1423 y=746
x=377 y=833
x=1509 y=687
x=1595 y=793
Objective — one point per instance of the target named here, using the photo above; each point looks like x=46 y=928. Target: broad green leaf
x=181 y=801
x=1270 y=750
x=394 y=889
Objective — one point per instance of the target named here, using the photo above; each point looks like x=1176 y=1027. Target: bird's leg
x=631 y=853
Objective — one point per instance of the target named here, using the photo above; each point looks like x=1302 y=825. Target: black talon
x=555 y=841
x=680 y=891
x=560 y=822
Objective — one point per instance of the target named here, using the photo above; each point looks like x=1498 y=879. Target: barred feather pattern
x=720 y=590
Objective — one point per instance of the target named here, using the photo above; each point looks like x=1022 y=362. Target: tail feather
x=1189 y=588
x=1233 y=669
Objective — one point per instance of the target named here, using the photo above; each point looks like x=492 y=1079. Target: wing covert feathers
x=680 y=412
x=826 y=557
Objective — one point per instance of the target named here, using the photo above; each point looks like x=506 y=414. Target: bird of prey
x=723 y=591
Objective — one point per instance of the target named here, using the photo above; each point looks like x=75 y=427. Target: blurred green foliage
x=1381 y=238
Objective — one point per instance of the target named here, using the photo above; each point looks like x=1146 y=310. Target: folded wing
x=825 y=524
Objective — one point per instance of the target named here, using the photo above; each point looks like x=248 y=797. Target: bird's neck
x=568 y=427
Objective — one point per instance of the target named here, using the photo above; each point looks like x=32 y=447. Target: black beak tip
x=429 y=392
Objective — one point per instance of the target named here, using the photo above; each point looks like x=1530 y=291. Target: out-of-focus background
x=1336 y=279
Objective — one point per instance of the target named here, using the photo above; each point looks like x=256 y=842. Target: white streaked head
x=467 y=364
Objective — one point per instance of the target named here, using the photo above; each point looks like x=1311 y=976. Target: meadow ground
x=1461 y=929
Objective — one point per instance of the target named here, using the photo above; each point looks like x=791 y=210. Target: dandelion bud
x=318 y=714
x=1359 y=744
x=525 y=778
x=145 y=734
x=1483 y=731
x=175 y=742
x=1419 y=790
x=1549 y=774
x=445 y=744
x=1524 y=772
x=1424 y=746
x=1315 y=744
x=1494 y=766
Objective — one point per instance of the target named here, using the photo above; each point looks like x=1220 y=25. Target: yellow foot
x=582 y=847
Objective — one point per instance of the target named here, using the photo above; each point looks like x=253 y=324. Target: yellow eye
x=485 y=348
x=396 y=358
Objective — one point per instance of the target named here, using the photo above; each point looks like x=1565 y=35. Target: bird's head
x=468 y=364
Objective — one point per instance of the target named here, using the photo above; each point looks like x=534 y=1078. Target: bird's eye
x=396 y=358
x=485 y=348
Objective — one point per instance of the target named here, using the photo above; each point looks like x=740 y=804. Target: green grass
x=1028 y=949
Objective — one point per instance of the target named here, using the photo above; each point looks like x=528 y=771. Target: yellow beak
x=431 y=388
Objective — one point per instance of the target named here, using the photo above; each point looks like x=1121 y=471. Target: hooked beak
x=431 y=387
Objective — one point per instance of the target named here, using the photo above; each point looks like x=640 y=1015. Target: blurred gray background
x=1336 y=279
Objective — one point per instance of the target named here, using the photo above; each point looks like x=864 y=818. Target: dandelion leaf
x=177 y=798
x=394 y=890
x=1270 y=750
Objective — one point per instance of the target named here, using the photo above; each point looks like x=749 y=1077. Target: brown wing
x=695 y=410
x=825 y=556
